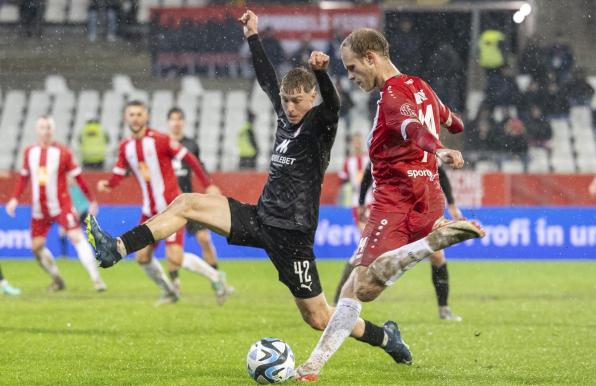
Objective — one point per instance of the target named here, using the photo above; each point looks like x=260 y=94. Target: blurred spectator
x=480 y=132
x=556 y=102
x=93 y=144
x=534 y=96
x=373 y=99
x=491 y=52
x=578 y=90
x=539 y=130
x=98 y=11
x=248 y=150
x=336 y=67
x=273 y=48
x=346 y=103
x=445 y=76
x=31 y=16
x=501 y=89
x=533 y=60
x=511 y=138
x=560 y=59
x=302 y=54
x=405 y=45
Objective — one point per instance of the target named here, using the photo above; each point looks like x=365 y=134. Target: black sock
x=373 y=334
x=440 y=277
x=1 y=276
x=173 y=275
x=137 y=238
x=214 y=266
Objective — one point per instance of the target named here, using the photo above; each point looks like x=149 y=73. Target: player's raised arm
x=319 y=62
x=264 y=70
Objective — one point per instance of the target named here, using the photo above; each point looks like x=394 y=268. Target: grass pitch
x=524 y=323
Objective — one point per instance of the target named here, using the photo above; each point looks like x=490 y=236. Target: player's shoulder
x=63 y=149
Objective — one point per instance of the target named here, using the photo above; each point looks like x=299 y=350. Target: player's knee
x=365 y=292
x=187 y=202
x=316 y=320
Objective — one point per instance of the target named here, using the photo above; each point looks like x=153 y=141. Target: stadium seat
x=210 y=127
x=173 y=3
x=38 y=105
x=77 y=12
x=9 y=13
x=12 y=115
x=523 y=81
x=473 y=102
x=56 y=11
x=56 y=84
x=486 y=167
x=161 y=102
x=191 y=85
x=234 y=117
x=563 y=164
x=111 y=120
x=189 y=104
x=62 y=112
x=587 y=164
x=512 y=166
x=122 y=84
x=138 y=95
x=144 y=8
x=87 y=108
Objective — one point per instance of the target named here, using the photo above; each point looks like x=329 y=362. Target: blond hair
x=362 y=40
x=298 y=79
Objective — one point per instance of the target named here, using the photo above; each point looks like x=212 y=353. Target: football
x=270 y=360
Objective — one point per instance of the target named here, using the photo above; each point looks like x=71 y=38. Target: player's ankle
x=121 y=247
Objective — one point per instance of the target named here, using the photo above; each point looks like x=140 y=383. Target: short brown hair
x=297 y=79
x=366 y=39
x=136 y=103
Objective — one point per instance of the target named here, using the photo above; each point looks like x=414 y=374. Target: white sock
x=393 y=264
x=195 y=264
x=46 y=260
x=3 y=283
x=155 y=271
x=86 y=257
x=339 y=328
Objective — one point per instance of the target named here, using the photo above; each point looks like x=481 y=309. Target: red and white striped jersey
x=48 y=168
x=352 y=172
x=150 y=159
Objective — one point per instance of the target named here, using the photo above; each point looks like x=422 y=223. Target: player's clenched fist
x=103 y=186
x=318 y=60
x=249 y=20
x=451 y=157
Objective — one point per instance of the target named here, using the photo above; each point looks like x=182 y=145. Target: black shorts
x=290 y=251
x=192 y=227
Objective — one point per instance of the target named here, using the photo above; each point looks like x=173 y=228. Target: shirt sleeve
x=400 y=116
x=196 y=167
x=329 y=95
x=24 y=174
x=265 y=73
x=119 y=170
x=72 y=169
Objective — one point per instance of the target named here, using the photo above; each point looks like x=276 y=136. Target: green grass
x=524 y=323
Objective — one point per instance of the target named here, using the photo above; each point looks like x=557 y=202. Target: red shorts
x=174 y=239
x=385 y=231
x=68 y=219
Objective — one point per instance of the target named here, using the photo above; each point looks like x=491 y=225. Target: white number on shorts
x=301 y=269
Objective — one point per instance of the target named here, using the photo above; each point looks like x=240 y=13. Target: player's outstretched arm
x=264 y=70
x=11 y=205
x=319 y=62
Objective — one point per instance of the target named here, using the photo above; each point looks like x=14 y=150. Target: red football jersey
x=150 y=160
x=405 y=176
x=48 y=167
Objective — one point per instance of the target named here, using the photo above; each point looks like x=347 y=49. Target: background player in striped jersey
x=149 y=155
x=47 y=164
x=352 y=172
x=176 y=124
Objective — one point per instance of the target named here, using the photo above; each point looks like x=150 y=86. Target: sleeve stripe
x=181 y=154
x=24 y=172
x=449 y=120
x=404 y=125
x=119 y=171
x=75 y=172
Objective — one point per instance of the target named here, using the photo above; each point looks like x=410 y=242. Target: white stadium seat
x=486 y=167
x=512 y=166
x=234 y=117
x=9 y=13
x=77 y=13
x=210 y=127
x=62 y=112
x=122 y=84
x=161 y=102
x=56 y=84
x=189 y=104
x=191 y=85
x=56 y=11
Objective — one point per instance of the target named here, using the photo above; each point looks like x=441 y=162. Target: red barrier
x=470 y=189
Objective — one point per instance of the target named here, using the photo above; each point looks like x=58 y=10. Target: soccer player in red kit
x=408 y=202
x=48 y=164
x=149 y=155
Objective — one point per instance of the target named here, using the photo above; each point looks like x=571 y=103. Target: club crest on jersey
x=420 y=96
x=407 y=110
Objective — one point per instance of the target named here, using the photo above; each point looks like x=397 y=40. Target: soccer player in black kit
x=285 y=218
